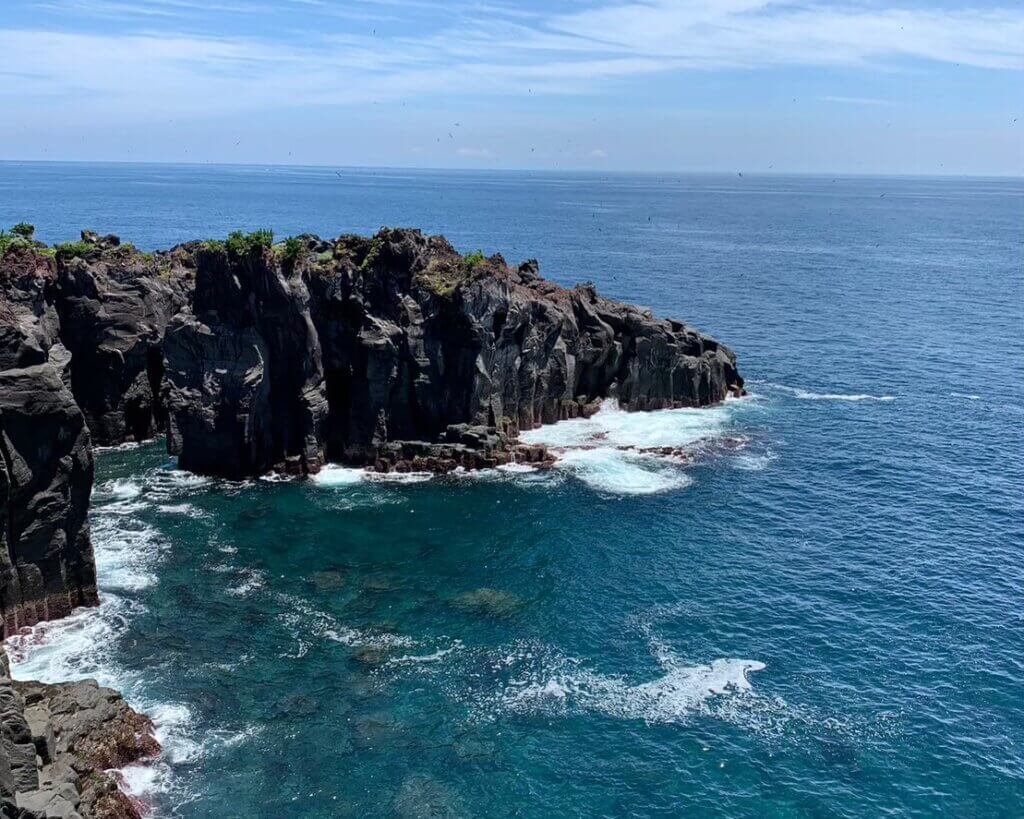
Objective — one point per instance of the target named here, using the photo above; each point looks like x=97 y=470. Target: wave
x=807 y=395
x=679 y=693
x=333 y=475
x=622 y=472
x=608 y=451
x=306 y=624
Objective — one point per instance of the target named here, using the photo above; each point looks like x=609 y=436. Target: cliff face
x=46 y=562
x=396 y=349
x=114 y=306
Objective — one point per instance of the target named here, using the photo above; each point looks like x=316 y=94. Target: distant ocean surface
x=821 y=616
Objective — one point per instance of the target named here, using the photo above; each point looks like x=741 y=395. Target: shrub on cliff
x=471 y=260
x=291 y=250
x=24 y=230
x=68 y=250
x=240 y=244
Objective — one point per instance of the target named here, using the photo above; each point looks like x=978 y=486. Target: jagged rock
x=397 y=353
x=114 y=306
x=29 y=324
x=244 y=378
x=46 y=474
x=357 y=349
x=57 y=744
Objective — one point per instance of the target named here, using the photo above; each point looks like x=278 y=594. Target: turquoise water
x=819 y=615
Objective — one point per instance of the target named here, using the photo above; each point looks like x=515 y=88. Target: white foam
x=334 y=475
x=127 y=445
x=177 y=509
x=141 y=779
x=172 y=723
x=750 y=462
x=966 y=395
x=399 y=477
x=72 y=648
x=622 y=472
x=120 y=488
x=605 y=451
x=250 y=580
x=614 y=427
x=433 y=657
x=306 y=624
x=807 y=395
x=536 y=679
x=125 y=556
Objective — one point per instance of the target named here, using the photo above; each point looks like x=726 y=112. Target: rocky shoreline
x=60 y=746
x=393 y=352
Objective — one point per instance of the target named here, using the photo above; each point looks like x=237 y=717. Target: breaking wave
x=612 y=450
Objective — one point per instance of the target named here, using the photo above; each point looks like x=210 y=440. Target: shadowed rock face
x=396 y=349
x=244 y=375
x=114 y=305
x=46 y=473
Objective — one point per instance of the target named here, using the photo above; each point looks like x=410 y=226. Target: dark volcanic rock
x=244 y=379
x=46 y=473
x=115 y=304
x=416 y=338
x=58 y=744
x=398 y=353
x=394 y=352
x=29 y=325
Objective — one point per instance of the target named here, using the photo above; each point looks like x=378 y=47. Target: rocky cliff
x=397 y=352
x=394 y=352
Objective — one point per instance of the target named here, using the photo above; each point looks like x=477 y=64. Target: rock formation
x=394 y=352
x=398 y=352
x=58 y=744
x=114 y=305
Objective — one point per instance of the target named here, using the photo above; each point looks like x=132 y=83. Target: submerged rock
x=328 y=580
x=421 y=796
x=488 y=602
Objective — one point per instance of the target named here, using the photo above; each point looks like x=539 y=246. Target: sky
x=863 y=86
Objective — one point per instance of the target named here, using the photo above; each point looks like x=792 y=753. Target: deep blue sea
x=822 y=615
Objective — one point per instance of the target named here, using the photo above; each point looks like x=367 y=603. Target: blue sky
x=868 y=86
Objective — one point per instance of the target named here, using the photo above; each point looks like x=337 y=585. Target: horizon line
x=451 y=169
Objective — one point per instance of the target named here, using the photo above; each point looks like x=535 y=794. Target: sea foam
x=606 y=451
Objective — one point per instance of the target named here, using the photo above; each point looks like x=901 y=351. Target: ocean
x=821 y=614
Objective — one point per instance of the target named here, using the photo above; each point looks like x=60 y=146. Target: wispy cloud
x=472 y=49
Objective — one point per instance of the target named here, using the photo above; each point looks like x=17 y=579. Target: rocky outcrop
x=394 y=351
x=245 y=381
x=114 y=305
x=46 y=474
x=58 y=744
x=397 y=352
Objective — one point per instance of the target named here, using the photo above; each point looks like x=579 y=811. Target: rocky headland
x=393 y=352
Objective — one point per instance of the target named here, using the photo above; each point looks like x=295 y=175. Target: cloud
x=475 y=153
x=597 y=153
x=314 y=57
